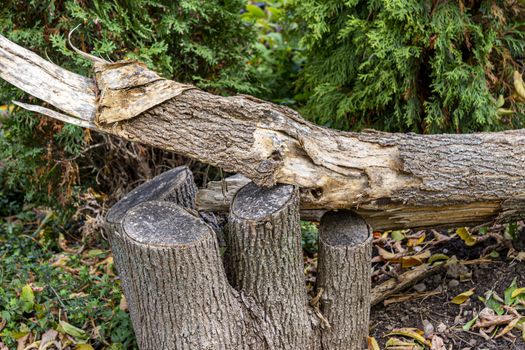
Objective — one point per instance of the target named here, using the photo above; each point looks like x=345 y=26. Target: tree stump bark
x=343 y=279
x=264 y=260
x=180 y=295
x=175 y=185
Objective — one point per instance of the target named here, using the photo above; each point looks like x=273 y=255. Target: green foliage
x=44 y=287
x=277 y=58
x=203 y=42
x=424 y=66
x=189 y=40
x=309 y=237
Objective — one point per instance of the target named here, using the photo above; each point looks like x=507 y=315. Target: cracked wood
x=393 y=180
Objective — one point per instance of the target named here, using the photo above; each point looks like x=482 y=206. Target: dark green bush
x=412 y=65
x=203 y=42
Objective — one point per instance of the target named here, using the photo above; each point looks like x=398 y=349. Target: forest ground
x=473 y=302
x=57 y=288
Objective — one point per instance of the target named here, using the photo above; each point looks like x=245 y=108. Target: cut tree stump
x=180 y=297
x=343 y=279
x=179 y=291
x=175 y=185
x=264 y=260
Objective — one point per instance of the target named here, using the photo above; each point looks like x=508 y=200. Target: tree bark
x=264 y=260
x=343 y=279
x=394 y=180
x=175 y=185
x=181 y=297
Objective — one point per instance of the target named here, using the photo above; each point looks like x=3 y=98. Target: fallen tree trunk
x=393 y=180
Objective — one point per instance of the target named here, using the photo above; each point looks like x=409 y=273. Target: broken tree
x=393 y=180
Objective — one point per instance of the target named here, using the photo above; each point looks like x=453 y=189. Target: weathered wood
x=404 y=281
x=264 y=260
x=180 y=294
x=67 y=91
x=394 y=180
x=343 y=279
x=128 y=88
x=175 y=185
x=217 y=197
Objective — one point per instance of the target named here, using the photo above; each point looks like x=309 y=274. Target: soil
x=438 y=310
x=437 y=315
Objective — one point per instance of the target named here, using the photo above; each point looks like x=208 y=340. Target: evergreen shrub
x=202 y=42
x=412 y=65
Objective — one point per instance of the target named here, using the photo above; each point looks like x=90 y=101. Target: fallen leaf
x=493 y=301
x=508 y=327
x=520 y=256
x=399 y=344
x=386 y=255
x=61 y=261
x=487 y=322
x=461 y=298
x=413 y=242
x=466 y=236
x=23 y=330
x=414 y=260
x=504 y=111
x=413 y=333
x=27 y=298
x=48 y=337
x=437 y=343
x=372 y=344
x=517 y=292
x=77 y=295
x=397 y=235
x=123 y=305
x=95 y=252
x=518 y=84
x=437 y=257
x=467 y=326
x=440 y=237
x=508 y=292
x=501 y=101
x=83 y=347
x=21 y=343
x=72 y=330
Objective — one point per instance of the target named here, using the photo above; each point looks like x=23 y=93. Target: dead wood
x=393 y=180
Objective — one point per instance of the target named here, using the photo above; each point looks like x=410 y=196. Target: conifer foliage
x=201 y=42
x=413 y=65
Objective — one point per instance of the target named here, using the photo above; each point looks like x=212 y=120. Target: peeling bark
x=393 y=180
